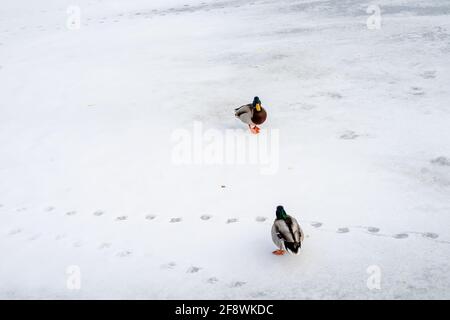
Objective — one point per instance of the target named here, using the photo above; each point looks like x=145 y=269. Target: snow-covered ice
x=88 y=183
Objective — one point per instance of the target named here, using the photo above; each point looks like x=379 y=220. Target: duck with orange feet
x=252 y=114
x=286 y=233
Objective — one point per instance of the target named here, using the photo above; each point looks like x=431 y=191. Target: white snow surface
x=87 y=178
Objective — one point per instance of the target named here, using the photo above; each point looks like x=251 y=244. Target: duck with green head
x=252 y=114
x=286 y=233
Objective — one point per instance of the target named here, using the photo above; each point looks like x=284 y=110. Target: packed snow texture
x=88 y=186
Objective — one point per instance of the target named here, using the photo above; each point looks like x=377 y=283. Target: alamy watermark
x=227 y=147
x=373 y=22
x=73 y=281
x=374 y=280
x=73 y=21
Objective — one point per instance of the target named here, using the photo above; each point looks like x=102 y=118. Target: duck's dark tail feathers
x=293 y=247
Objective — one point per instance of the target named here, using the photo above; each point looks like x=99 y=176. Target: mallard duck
x=286 y=233
x=252 y=114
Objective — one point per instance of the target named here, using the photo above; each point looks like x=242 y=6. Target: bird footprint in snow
x=169 y=265
x=237 y=284
x=123 y=254
x=441 y=161
x=400 y=236
x=60 y=236
x=34 y=237
x=105 y=245
x=417 y=91
x=15 y=231
x=78 y=244
x=429 y=74
x=193 y=269
x=349 y=135
x=430 y=235
x=343 y=230
x=212 y=280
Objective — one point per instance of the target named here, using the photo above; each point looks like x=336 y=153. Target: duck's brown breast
x=259 y=116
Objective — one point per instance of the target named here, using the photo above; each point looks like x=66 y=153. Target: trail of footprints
x=149 y=14
x=232 y=220
x=374 y=231
x=212 y=280
x=172 y=265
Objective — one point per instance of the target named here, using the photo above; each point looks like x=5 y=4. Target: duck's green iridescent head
x=281 y=214
x=257 y=104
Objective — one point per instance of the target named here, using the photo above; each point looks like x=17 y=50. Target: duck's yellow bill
x=258 y=107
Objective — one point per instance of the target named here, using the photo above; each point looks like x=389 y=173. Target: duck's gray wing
x=284 y=231
x=297 y=231
x=245 y=114
x=243 y=109
x=276 y=237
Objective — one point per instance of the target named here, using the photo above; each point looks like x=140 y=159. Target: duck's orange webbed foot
x=254 y=130
x=279 y=252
